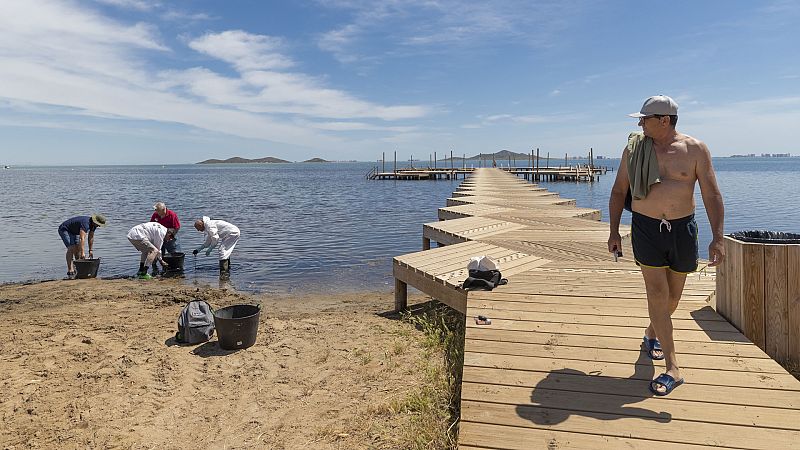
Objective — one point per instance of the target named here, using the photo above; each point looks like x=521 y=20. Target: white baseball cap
x=657 y=105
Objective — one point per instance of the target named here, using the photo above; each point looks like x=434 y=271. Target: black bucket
x=87 y=268
x=174 y=262
x=237 y=326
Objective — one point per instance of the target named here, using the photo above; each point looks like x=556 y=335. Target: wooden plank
x=570 y=380
x=607 y=320
x=441 y=252
x=442 y=237
x=686 y=303
x=459 y=261
x=793 y=303
x=639 y=311
x=776 y=307
x=582 y=291
x=729 y=349
x=753 y=293
x=644 y=371
x=454 y=298
x=639 y=402
x=623 y=426
x=450 y=253
x=736 y=290
x=588 y=353
x=484 y=436
x=609 y=331
x=721 y=299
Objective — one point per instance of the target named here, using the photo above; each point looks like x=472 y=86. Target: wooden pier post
x=400 y=295
x=530 y=160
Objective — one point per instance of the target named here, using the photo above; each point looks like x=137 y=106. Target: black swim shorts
x=665 y=243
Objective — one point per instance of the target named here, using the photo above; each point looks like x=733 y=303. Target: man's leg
x=660 y=306
x=72 y=254
x=675 y=282
x=143 y=246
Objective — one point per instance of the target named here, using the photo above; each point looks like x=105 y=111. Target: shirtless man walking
x=663 y=229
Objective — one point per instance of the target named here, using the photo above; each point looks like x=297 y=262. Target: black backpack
x=195 y=323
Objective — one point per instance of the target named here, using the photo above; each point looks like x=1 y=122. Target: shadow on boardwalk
x=567 y=392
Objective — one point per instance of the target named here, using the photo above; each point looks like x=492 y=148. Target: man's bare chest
x=675 y=163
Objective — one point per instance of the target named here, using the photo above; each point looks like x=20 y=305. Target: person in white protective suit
x=220 y=234
x=148 y=238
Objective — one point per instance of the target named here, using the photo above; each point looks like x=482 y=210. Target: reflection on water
x=305 y=227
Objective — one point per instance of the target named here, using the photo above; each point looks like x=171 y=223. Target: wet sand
x=93 y=363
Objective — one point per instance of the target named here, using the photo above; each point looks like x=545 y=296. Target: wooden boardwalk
x=561 y=365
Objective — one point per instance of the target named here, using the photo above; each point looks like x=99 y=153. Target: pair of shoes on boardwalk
x=665 y=383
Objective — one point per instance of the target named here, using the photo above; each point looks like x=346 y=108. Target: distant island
x=502 y=155
x=316 y=160
x=238 y=160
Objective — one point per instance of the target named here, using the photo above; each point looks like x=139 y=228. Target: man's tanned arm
x=616 y=203
x=712 y=199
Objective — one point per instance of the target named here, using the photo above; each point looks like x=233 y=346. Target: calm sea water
x=305 y=227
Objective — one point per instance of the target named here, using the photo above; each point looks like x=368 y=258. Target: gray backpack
x=196 y=323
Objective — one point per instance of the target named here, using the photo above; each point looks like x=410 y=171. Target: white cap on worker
x=657 y=105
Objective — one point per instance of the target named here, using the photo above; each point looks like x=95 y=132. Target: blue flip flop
x=653 y=344
x=667 y=381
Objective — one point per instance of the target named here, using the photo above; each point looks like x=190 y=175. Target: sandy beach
x=93 y=363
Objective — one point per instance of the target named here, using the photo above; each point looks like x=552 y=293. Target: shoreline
x=94 y=363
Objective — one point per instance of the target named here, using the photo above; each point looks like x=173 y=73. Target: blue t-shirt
x=76 y=224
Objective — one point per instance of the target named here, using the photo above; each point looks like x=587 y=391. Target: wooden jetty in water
x=561 y=365
x=583 y=172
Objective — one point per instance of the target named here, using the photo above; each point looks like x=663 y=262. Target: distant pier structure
x=533 y=170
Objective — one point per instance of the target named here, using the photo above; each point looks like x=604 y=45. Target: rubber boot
x=142 y=269
x=155 y=268
x=225 y=268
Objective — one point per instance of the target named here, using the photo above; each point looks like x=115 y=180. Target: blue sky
x=157 y=82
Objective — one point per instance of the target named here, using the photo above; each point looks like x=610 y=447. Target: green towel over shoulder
x=642 y=165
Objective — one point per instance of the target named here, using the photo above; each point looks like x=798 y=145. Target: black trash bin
x=766 y=237
x=237 y=326
x=87 y=268
x=174 y=262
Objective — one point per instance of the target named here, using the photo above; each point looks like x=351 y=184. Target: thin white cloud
x=359 y=126
x=138 y=5
x=525 y=119
x=443 y=25
x=243 y=50
x=69 y=56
